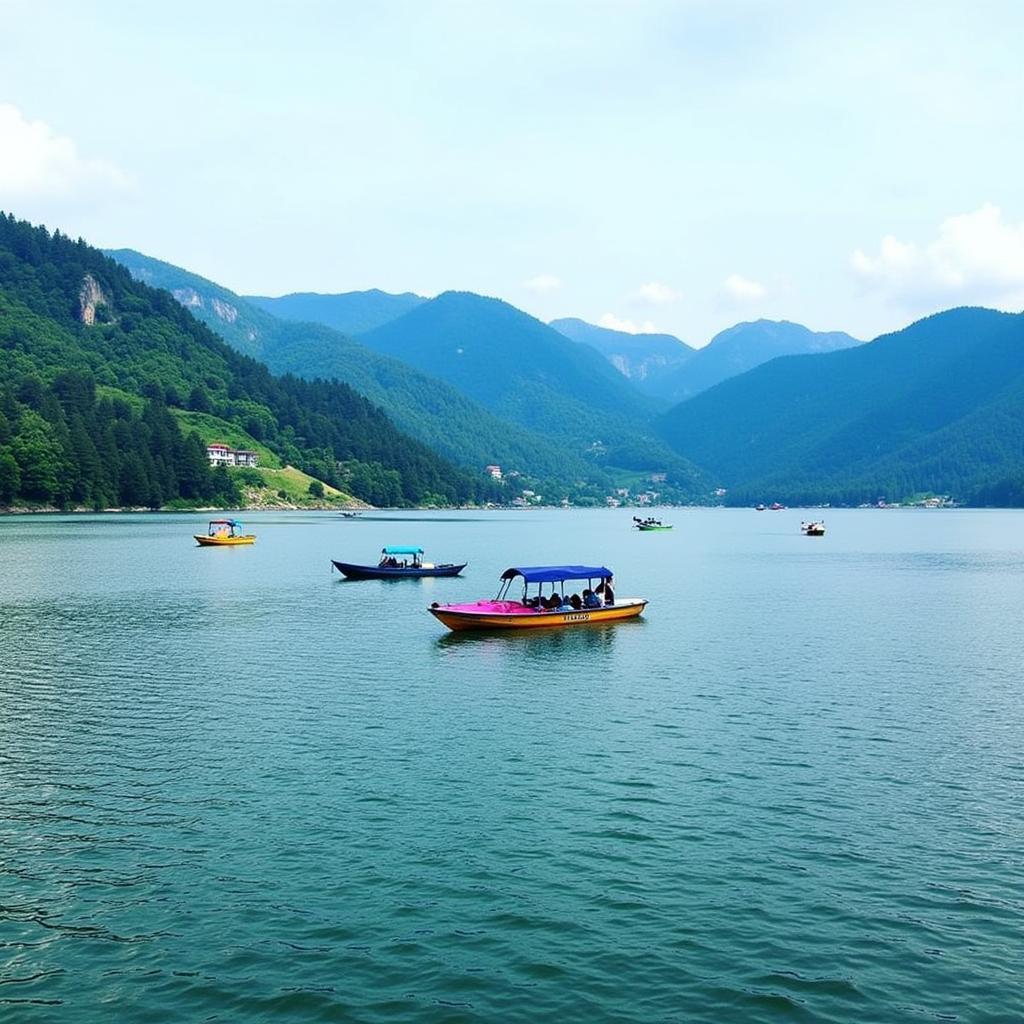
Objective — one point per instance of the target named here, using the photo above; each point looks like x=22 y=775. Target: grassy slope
x=277 y=477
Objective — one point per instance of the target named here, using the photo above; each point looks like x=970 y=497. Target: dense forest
x=62 y=445
x=117 y=378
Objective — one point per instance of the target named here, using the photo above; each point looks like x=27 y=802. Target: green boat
x=646 y=525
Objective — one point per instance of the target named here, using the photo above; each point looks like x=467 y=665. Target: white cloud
x=656 y=293
x=543 y=283
x=976 y=258
x=35 y=162
x=741 y=289
x=615 y=323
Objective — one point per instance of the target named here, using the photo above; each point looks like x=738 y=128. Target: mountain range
x=518 y=394
x=936 y=407
x=741 y=348
x=349 y=312
x=434 y=412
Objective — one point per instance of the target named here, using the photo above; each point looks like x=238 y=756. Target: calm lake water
x=236 y=788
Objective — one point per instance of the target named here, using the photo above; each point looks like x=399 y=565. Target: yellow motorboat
x=540 y=612
x=224 y=533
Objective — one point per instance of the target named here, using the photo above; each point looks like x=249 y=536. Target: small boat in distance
x=596 y=604
x=398 y=562
x=224 y=533
x=350 y=515
x=759 y=508
x=776 y=507
x=650 y=524
x=813 y=529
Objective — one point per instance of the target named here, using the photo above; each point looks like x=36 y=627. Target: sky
x=676 y=166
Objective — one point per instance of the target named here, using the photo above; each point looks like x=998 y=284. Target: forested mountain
x=349 y=312
x=741 y=348
x=525 y=371
x=92 y=355
x=426 y=407
x=644 y=358
x=937 y=407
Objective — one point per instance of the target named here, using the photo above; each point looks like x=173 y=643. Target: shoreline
x=362 y=507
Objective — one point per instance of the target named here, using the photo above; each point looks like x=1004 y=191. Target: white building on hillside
x=224 y=455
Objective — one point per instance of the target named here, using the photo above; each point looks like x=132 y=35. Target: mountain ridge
x=743 y=347
x=643 y=358
x=349 y=312
x=910 y=412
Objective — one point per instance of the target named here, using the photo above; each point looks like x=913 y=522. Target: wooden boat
x=814 y=529
x=646 y=525
x=398 y=562
x=531 y=612
x=223 y=533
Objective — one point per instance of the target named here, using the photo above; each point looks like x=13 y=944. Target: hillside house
x=224 y=455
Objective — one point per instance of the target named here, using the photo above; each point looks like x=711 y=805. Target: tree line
x=61 y=444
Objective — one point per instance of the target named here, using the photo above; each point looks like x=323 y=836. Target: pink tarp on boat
x=493 y=608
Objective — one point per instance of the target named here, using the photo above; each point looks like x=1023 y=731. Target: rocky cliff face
x=90 y=297
x=224 y=310
x=188 y=297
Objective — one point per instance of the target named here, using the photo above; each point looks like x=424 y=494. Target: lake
x=234 y=787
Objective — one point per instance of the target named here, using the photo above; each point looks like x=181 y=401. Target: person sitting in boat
x=566 y=605
x=591 y=600
x=576 y=601
x=604 y=589
x=552 y=603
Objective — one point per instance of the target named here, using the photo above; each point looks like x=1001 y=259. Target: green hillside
x=426 y=407
x=525 y=371
x=935 y=408
x=74 y=323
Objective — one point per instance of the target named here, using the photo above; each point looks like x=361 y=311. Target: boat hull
x=651 y=529
x=377 y=572
x=488 y=615
x=223 y=542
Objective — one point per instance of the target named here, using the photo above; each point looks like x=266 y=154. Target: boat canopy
x=557 y=573
x=401 y=549
x=225 y=522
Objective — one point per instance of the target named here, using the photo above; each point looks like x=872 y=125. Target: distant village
x=621 y=495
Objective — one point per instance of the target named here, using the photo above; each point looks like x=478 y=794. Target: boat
x=350 y=515
x=223 y=533
x=813 y=529
x=759 y=508
x=650 y=524
x=398 y=562
x=776 y=507
x=598 y=604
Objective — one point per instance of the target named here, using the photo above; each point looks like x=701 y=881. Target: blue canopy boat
x=558 y=609
x=398 y=562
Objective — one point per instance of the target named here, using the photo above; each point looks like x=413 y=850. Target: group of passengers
x=603 y=595
x=390 y=562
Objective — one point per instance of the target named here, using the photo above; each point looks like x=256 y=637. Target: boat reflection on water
x=541 y=644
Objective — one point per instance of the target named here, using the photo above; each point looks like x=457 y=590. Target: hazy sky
x=678 y=166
